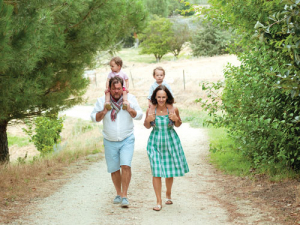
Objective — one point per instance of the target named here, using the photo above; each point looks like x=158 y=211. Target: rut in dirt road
x=198 y=199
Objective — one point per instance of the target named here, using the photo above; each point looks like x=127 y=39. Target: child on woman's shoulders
x=159 y=75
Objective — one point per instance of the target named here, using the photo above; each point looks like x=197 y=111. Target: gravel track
x=198 y=197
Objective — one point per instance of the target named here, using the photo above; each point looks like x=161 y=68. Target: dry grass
x=39 y=177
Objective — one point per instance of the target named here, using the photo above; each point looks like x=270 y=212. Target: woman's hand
x=173 y=116
x=149 y=118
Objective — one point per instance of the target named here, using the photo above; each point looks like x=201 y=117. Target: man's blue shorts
x=118 y=153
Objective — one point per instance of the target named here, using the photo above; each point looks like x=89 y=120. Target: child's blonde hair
x=159 y=68
x=117 y=60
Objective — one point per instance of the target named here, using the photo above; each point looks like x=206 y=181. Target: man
x=118 y=136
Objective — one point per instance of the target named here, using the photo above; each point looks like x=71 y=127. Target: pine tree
x=45 y=46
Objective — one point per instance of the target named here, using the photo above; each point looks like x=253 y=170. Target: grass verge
x=19 y=141
x=36 y=177
x=225 y=156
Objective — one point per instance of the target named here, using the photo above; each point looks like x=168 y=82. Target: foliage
x=210 y=40
x=282 y=32
x=45 y=47
x=156 y=38
x=158 y=7
x=163 y=36
x=261 y=117
x=181 y=34
x=46 y=132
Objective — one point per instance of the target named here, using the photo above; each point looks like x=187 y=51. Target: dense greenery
x=165 y=8
x=45 y=47
x=163 y=36
x=260 y=101
x=45 y=133
x=210 y=40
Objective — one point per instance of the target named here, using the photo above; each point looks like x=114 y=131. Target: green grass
x=195 y=118
x=224 y=154
x=19 y=141
x=133 y=55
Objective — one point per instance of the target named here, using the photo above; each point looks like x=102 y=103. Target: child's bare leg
x=170 y=108
x=125 y=100
x=107 y=101
x=152 y=109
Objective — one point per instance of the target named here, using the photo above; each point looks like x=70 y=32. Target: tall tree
x=156 y=38
x=45 y=46
x=181 y=34
x=158 y=7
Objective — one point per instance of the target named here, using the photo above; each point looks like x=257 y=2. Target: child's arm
x=127 y=84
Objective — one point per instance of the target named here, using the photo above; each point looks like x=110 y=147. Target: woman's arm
x=148 y=119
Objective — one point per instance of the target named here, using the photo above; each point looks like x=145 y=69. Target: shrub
x=46 y=132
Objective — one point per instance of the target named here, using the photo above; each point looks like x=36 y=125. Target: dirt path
x=198 y=197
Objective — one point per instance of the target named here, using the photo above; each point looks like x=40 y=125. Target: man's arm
x=134 y=109
x=99 y=111
x=100 y=115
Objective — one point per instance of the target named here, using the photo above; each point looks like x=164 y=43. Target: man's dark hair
x=115 y=80
x=170 y=99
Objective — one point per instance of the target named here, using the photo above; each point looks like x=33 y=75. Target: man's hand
x=100 y=115
x=131 y=111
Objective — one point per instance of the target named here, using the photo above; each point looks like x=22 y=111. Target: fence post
x=131 y=79
x=183 y=80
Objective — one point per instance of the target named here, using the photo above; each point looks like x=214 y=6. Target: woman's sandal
x=168 y=201
x=157 y=208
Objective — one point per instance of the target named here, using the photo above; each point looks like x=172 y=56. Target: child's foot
x=107 y=106
x=125 y=103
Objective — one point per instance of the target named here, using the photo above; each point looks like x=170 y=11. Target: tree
x=45 y=46
x=181 y=34
x=158 y=7
x=260 y=100
x=210 y=40
x=156 y=38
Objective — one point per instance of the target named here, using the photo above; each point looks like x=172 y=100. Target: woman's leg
x=157 y=189
x=169 y=183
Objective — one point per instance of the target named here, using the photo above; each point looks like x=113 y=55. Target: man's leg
x=116 y=178
x=126 y=177
x=126 y=153
x=113 y=166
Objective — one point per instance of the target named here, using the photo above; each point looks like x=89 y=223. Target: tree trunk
x=4 y=153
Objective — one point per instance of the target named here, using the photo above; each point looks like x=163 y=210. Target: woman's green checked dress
x=164 y=150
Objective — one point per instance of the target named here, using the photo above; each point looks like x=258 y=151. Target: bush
x=260 y=117
x=46 y=132
x=210 y=40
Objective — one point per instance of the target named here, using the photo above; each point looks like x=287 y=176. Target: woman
x=164 y=148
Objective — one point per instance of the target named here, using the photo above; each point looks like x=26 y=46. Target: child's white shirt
x=155 y=85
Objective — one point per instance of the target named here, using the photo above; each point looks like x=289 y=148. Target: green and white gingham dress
x=164 y=150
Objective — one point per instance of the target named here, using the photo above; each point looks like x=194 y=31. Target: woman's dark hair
x=115 y=80
x=170 y=99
